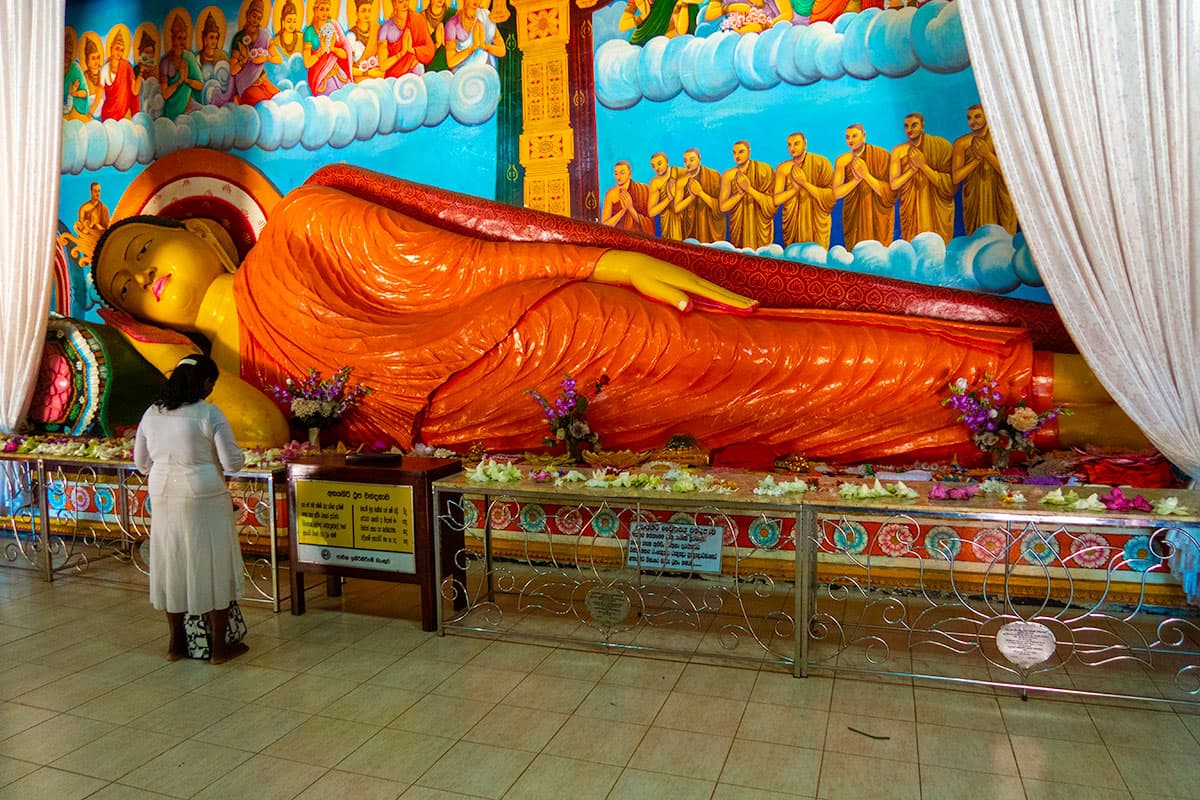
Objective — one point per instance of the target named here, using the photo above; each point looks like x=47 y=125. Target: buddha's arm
x=256 y=420
x=1095 y=416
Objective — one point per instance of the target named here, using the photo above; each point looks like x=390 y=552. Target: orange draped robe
x=450 y=331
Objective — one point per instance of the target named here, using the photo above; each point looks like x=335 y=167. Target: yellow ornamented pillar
x=547 y=142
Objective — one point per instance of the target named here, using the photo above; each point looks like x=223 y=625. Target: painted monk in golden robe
x=860 y=180
x=920 y=174
x=451 y=330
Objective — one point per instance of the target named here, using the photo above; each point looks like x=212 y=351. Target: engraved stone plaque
x=1025 y=643
x=607 y=605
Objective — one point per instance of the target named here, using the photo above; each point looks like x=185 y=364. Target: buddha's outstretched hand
x=664 y=282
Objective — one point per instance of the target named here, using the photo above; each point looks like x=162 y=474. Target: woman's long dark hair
x=189 y=382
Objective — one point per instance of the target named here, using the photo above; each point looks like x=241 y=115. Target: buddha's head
x=156 y=269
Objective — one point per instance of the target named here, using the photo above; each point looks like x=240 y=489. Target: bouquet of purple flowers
x=996 y=426
x=316 y=402
x=567 y=417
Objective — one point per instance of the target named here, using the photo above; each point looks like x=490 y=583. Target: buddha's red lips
x=158 y=286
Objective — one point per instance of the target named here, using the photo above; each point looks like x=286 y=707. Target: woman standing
x=195 y=558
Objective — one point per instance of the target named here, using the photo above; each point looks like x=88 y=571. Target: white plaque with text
x=1025 y=643
x=675 y=547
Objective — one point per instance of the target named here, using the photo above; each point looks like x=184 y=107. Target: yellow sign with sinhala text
x=354 y=516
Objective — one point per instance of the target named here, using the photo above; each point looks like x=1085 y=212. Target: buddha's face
x=914 y=127
x=291 y=23
x=796 y=146
x=156 y=273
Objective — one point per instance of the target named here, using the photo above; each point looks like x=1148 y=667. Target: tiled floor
x=353 y=701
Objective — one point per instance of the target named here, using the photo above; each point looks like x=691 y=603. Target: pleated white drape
x=1094 y=117
x=31 y=86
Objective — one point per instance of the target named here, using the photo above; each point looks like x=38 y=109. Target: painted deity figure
x=749 y=16
x=249 y=53
x=472 y=37
x=804 y=190
x=405 y=45
x=437 y=13
x=326 y=51
x=748 y=197
x=860 y=181
x=179 y=72
x=75 y=90
x=210 y=51
x=920 y=175
x=121 y=84
x=625 y=205
x=985 y=196
x=660 y=199
x=147 y=55
x=288 y=41
x=650 y=18
x=363 y=41
x=93 y=59
x=93 y=214
x=697 y=200
x=840 y=385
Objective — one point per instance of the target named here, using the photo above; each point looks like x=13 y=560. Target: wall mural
x=814 y=134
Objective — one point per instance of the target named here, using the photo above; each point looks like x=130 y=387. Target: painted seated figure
x=451 y=328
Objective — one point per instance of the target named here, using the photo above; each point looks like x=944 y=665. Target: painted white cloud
x=294 y=117
x=892 y=43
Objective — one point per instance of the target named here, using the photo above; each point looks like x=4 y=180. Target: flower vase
x=575 y=451
x=314 y=437
x=1000 y=459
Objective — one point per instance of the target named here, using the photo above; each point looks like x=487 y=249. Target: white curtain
x=31 y=91
x=1094 y=118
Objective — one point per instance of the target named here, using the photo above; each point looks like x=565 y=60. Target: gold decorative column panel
x=547 y=143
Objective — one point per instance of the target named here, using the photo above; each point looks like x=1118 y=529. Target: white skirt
x=195 y=556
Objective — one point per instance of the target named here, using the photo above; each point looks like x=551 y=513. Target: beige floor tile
x=293 y=656
x=12 y=768
x=179 y=676
x=307 y=693
x=575 y=664
x=600 y=740
x=622 y=704
x=477 y=769
x=245 y=682
x=783 y=689
x=414 y=674
x=691 y=712
x=373 y=705
x=959 y=709
x=439 y=715
x=875 y=737
x=518 y=728
x=644 y=673
x=1154 y=773
x=635 y=784
x=119 y=791
x=1127 y=727
x=798 y=727
x=252 y=728
x=67 y=692
x=321 y=741
x=429 y=793
x=353 y=664
x=50 y=740
x=549 y=693
x=15 y=717
x=455 y=649
x=50 y=784
x=849 y=777
x=512 y=656
x=772 y=767
x=116 y=753
x=186 y=768
x=873 y=699
x=942 y=783
x=400 y=756
x=125 y=703
x=727 y=791
x=22 y=678
x=1050 y=790
x=127 y=666
x=728 y=682
x=262 y=778
x=1069 y=762
x=186 y=715
x=695 y=755
x=480 y=683
x=980 y=751
x=335 y=785
x=553 y=778
x=1048 y=719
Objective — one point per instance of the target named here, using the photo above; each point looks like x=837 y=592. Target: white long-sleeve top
x=186 y=450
